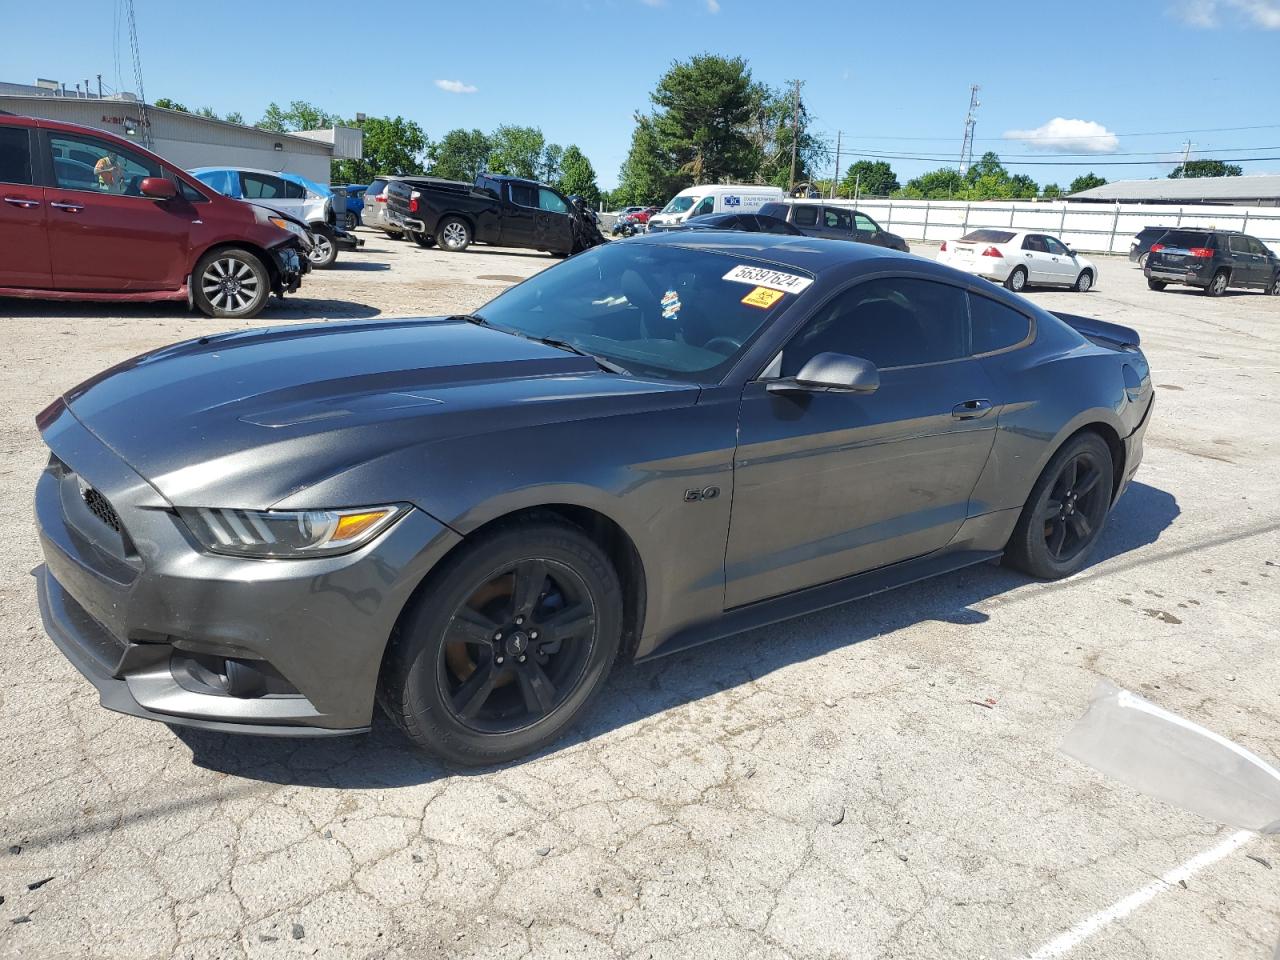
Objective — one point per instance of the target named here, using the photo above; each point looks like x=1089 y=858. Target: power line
x=1038 y=163
x=1099 y=136
x=1118 y=153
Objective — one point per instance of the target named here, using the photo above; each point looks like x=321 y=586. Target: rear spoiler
x=1101 y=330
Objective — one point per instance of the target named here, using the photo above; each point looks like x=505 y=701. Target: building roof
x=1191 y=189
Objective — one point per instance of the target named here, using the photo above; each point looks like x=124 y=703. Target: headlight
x=293 y=534
x=289 y=225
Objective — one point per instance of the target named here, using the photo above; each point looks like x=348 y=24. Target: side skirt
x=811 y=599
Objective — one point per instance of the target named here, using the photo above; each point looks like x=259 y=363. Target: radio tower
x=970 y=122
x=143 y=119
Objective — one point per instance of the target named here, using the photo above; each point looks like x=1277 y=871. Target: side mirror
x=158 y=188
x=831 y=373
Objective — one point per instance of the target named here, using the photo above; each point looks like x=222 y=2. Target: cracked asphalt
x=878 y=780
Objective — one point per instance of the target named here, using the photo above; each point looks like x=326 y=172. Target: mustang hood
x=247 y=419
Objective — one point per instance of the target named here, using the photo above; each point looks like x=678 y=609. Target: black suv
x=1141 y=244
x=1212 y=260
x=834 y=223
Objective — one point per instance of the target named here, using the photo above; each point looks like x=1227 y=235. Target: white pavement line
x=1064 y=943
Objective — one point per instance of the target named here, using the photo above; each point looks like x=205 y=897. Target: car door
x=551 y=228
x=1263 y=259
x=866 y=230
x=1062 y=264
x=838 y=223
x=1035 y=257
x=1246 y=269
x=24 y=215
x=519 y=219
x=275 y=192
x=831 y=484
x=103 y=234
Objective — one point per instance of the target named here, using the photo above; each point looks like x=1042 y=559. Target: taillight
x=1201 y=253
x=1156 y=247
x=943 y=248
x=992 y=252
x=413 y=204
x=380 y=198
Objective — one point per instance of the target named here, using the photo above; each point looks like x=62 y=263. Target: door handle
x=69 y=207
x=971 y=409
x=23 y=202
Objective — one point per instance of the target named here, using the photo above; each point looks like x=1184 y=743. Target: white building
x=187 y=139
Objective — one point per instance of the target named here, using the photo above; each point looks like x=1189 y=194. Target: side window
x=707 y=205
x=865 y=223
x=15 y=155
x=1255 y=246
x=115 y=169
x=837 y=219
x=259 y=186
x=523 y=195
x=190 y=193
x=891 y=321
x=806 y=215
x=550 y=201
x=995 y=326
x=294 y=191
x=1035 y=243
x=219 y=180
x=1054 y=246
x=1239 y=244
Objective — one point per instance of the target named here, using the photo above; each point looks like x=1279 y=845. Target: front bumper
x=291 y=264
x=147 y=616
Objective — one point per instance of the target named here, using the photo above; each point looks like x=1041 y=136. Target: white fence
x=1093 y=227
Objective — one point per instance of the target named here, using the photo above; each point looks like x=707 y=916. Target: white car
x=1018 y=259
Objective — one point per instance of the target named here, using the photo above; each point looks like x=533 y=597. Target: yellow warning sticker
x=762 y=297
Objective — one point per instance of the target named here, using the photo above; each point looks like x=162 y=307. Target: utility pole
x=1186 y=157
x=970 y=124
x=836 y=179
x=99 y=86
x=795 y=134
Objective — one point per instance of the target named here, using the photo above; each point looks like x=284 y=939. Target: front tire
x=1017 y=280
x=1066 y=512
x=1218 y=285
x=324 y=252
x=1084 y=282
x=1274 y=288
x=507 y=644
x=1156 y=285
x=352 y=221
x=453 y=234
x=230 y=283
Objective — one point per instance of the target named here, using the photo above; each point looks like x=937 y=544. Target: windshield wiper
x=471 y=318
x=608 y=365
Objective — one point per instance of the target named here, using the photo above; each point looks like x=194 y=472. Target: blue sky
x=893 y=77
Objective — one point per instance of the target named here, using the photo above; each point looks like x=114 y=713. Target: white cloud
x=455 y=86
x=1061 y=135
x=1206 y=14
x=713 y=6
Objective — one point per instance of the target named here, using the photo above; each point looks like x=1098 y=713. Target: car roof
x=811 y=254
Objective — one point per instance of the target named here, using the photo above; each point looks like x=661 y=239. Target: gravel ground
x=880 y=780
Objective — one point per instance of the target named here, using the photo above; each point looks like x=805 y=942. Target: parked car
x=375 y=206
x=469 y=519
x=713 y=198
x=291 y=193
x=835 y=222
x=131 y=226
x=748 y=222
x=1140 y=245
x=355 y=204
x=497 y=209
x=1212 y=260
x=1019 y=259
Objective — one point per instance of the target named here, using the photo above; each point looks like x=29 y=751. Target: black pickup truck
x=501 y=210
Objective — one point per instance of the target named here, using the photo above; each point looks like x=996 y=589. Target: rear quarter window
x=15 y=155
x=995 y=326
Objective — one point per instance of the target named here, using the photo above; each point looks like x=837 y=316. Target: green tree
x=648 y=175
x=1086 y=181
x=550 y=163
x=1022 y=187
x=871 y=178
x=208 y=113
x=774 y=123
x=235 y=116
x=1206 y=168
x=1051 y=191
x=703 y=107
x=460 y=155
x=166 y=104
x=577 y=176
x=300 y=115
x=391 y=145
x=941 y=184
x=988 y=165
x=517 y=151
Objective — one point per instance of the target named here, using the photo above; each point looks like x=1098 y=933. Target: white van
x=714 y=198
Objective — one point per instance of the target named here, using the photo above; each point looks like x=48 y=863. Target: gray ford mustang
x=470 y=519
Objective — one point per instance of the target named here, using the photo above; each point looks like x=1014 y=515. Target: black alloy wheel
x=507 y=643
x=1067 y=510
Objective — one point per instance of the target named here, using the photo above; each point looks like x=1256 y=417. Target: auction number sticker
x=773 y=279
x=762 y=297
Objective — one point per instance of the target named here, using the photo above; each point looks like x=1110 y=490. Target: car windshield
x=987 y=236
x=653 y=309
x=679 y=205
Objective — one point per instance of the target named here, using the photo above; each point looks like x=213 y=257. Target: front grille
x=101 y=508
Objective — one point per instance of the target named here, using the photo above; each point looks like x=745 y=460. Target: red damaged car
x=85 y=215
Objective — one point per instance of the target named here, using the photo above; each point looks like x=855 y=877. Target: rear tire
x=230 y=283
x=1017 y=280
x=1218 y=285
x=1084 y=282
x=1066 y=512
x=467 y=676
x=325 y=251
x=453 y=234
x=1142 y=261
x=352 y=221
x=1155 y=284
x=423 y=240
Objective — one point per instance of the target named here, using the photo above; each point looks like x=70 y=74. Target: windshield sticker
x=764 y=277
x=670 y=305
x=762 y=297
